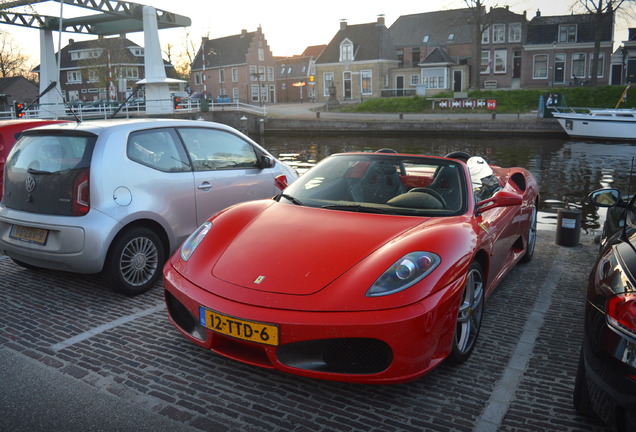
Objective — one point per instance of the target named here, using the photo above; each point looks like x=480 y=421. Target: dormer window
x=451 y=36
x=346 y=51
x=425 y=39
x=567 y=33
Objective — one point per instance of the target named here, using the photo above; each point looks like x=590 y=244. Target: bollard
x=568 y=230
x=317 y=114
x=401 y=116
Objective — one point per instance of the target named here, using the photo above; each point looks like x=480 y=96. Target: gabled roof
x=371 y=41
x=6 y=83
x=225 y=51
x=410 y=30
x=314 y=51
x=294 y=67
x=438 y=56
x=119 y=48
x=545 y=30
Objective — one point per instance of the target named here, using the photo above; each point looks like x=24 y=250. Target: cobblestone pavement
x=519 y=378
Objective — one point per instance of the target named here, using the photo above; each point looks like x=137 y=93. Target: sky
x=289 y=26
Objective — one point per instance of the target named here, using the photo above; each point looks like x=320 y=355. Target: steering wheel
x=432 y=193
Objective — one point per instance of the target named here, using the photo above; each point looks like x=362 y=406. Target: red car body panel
x=8 y=130
x=306 y=270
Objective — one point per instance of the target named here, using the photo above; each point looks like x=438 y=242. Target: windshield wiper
x=292 y=199
x=36 y=171
x=358 y=208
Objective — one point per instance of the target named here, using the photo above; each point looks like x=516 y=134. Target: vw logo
x=30 y=183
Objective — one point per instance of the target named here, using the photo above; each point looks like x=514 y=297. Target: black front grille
x=345 y=355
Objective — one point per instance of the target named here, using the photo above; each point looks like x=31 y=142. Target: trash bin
x=568 y=231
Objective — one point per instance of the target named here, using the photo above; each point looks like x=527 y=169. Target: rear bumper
x=76 y=244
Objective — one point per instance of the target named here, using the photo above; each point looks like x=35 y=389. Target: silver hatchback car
x=119 y=196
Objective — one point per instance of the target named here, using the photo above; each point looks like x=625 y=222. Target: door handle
x=205 y=186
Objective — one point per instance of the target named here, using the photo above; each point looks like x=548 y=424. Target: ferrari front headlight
x=405 y=272
x=190 y=245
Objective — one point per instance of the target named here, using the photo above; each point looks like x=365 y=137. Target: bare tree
x=13 y=61
x=184 y=56
x=479 y=21
x=602 y=10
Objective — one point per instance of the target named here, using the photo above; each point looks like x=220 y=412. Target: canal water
x=567 y=170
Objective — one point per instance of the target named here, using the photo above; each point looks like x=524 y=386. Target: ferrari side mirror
x=500 y=199
x=281 y=181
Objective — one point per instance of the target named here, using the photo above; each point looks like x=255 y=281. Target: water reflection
x=567 y=171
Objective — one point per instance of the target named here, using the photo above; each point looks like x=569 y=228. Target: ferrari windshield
x=382 y=183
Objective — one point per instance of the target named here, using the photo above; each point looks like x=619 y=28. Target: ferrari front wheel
x=531 y=237
x=469 y=316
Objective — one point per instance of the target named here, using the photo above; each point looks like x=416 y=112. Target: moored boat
x=618 y=124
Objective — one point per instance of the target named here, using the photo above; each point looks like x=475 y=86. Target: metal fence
x=135 y=109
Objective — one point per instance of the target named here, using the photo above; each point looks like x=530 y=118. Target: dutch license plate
x=239 y=328
x=28 y=234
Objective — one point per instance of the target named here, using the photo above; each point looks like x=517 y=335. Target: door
x=457 y=81
x=399 y=85
x=559 y=68
x=226 y=170
x=347 y=85
x=516 y=64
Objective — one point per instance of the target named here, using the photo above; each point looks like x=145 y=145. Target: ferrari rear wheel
x=469 y=316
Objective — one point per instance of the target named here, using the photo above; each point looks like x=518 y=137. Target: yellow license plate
x=28 y=234
x=239 y=328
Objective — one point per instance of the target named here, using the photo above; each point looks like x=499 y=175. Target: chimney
x=71 y=41
x=243 y=32
x=538 y=14
x=343 y=24
x=380 y=20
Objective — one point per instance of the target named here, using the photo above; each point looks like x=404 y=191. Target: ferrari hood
x=299 y=250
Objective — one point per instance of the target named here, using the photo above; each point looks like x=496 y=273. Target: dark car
x=606 y=378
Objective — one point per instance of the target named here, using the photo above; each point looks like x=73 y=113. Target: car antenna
x=631 y=175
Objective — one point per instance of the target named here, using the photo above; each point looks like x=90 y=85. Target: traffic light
x=176 y=102
x=19 y=109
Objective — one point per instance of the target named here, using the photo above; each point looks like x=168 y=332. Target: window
x=485 y=63
x=400 y=55
x=221 y=75
x=567 y=33
x=434 y=78
x=327 y=80
x=425 y=39
x=253 y=74
x=485 y=35
x=514 y=32
x=127 y=72
x=197 y=78
x=498 y=33
x=254 y=91
x=213 y=150
x=235 y=94
x=235 y=75
x=261 y=54
x=415 y=56
x=365 y=82
x=600 y=72
x=159 y=149
x=93 y=76
x=261 y=72
x=415 y=80
x=451 y=36
x=540 y=66
x=73 y=77
x=578 y=65
x=270 y=74
x=501 y=57
x=346 y=51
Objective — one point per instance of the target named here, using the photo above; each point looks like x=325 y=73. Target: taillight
x=621 y=313
x=81 y=194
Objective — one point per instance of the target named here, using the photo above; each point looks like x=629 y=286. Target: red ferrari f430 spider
x=370 y=268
